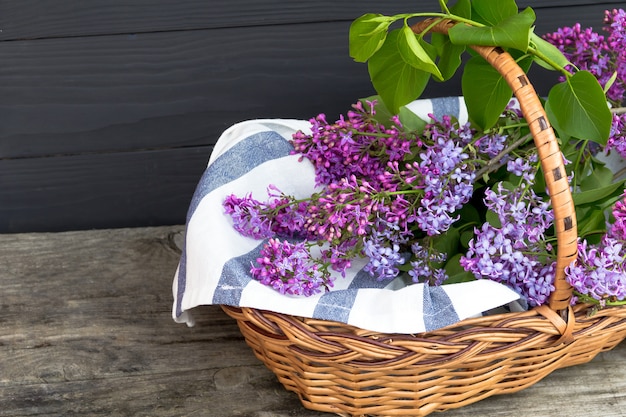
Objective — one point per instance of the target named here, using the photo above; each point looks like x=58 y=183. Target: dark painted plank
x=99 y=190
x=157 y=90
x=126 y=92
x=28 y=19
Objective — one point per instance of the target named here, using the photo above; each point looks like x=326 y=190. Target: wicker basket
x=341 y=369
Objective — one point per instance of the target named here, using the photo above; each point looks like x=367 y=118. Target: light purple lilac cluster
x=446 y=176
x=424 y=267
x=513 y=250
x=605 y=58
x=383 y=248
x=599 y=273
x=288 y=268
x=617 y=137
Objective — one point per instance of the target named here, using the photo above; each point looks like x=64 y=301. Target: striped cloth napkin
x=215 y=261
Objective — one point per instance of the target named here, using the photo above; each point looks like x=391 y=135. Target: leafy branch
x=401 y=63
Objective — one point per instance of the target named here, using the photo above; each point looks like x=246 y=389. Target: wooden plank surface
x=32 y=19
x=83 y=84
x=86 y=330
x=97 y=190
x=181 y=89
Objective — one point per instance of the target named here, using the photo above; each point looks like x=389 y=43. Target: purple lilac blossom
x=491 y=144
x=248 y=217
x=446 y=177
x=515 y=253
x=617 y=137
x=357 y=145
x=423 y=267
x=599 y=272
x=618 y=228
x=615 y=21
x=288 y=268
x=522 y=167
x=344 y=209
x=602 y=56
x=383 y=248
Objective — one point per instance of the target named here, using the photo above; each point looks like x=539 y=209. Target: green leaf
x=455 y=271
x=492 y=12
x=610 y=82
x=485 y=91
x=581 y=109
x=600 y=176
x=597 y=194
x=449 y=55
x=592 y=221
x=447 y=242
x=411 y=121
x=414 y=53
x=555 y=123
x=397 y=82
x=493 y=219
x=367 y=35
x=466 y=236
x=548 y=50
x=513 y=32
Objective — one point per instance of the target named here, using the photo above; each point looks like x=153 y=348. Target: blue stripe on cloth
x=446 y=106
x=438 y=309
x=238 y=161
x=232 y=164
x=234 y=278
x=335 y=305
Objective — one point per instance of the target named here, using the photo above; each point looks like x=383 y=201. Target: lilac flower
x=424 y=267
x=446 y=178
x=522 y=167
x=491 y=144
x=248 y=217
x=515 y=253
x=618 y=228
x=344 y=209
x=288 y=268
x=382 y=247
x=357 y=145
x=617 y=137
x=599 y=272
x=600 y=55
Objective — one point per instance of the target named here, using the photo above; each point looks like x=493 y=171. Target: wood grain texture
x=156 y=90
x=176 y=89
x=99 y=190
x=86 y=330
x=84 y=84
x=32 y=19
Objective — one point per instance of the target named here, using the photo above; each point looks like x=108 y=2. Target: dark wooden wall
x=109 y=108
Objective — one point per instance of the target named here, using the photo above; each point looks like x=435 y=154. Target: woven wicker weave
x=344 y=370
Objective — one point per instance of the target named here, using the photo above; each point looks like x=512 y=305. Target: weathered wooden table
x=86 y=330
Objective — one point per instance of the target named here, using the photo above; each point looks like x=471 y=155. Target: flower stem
x=495 y=163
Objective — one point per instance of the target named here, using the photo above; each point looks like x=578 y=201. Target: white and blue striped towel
x=215 y=262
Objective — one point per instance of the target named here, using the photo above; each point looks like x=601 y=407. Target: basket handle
x=549 y=154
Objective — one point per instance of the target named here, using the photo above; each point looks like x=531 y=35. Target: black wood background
x=109 y=108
